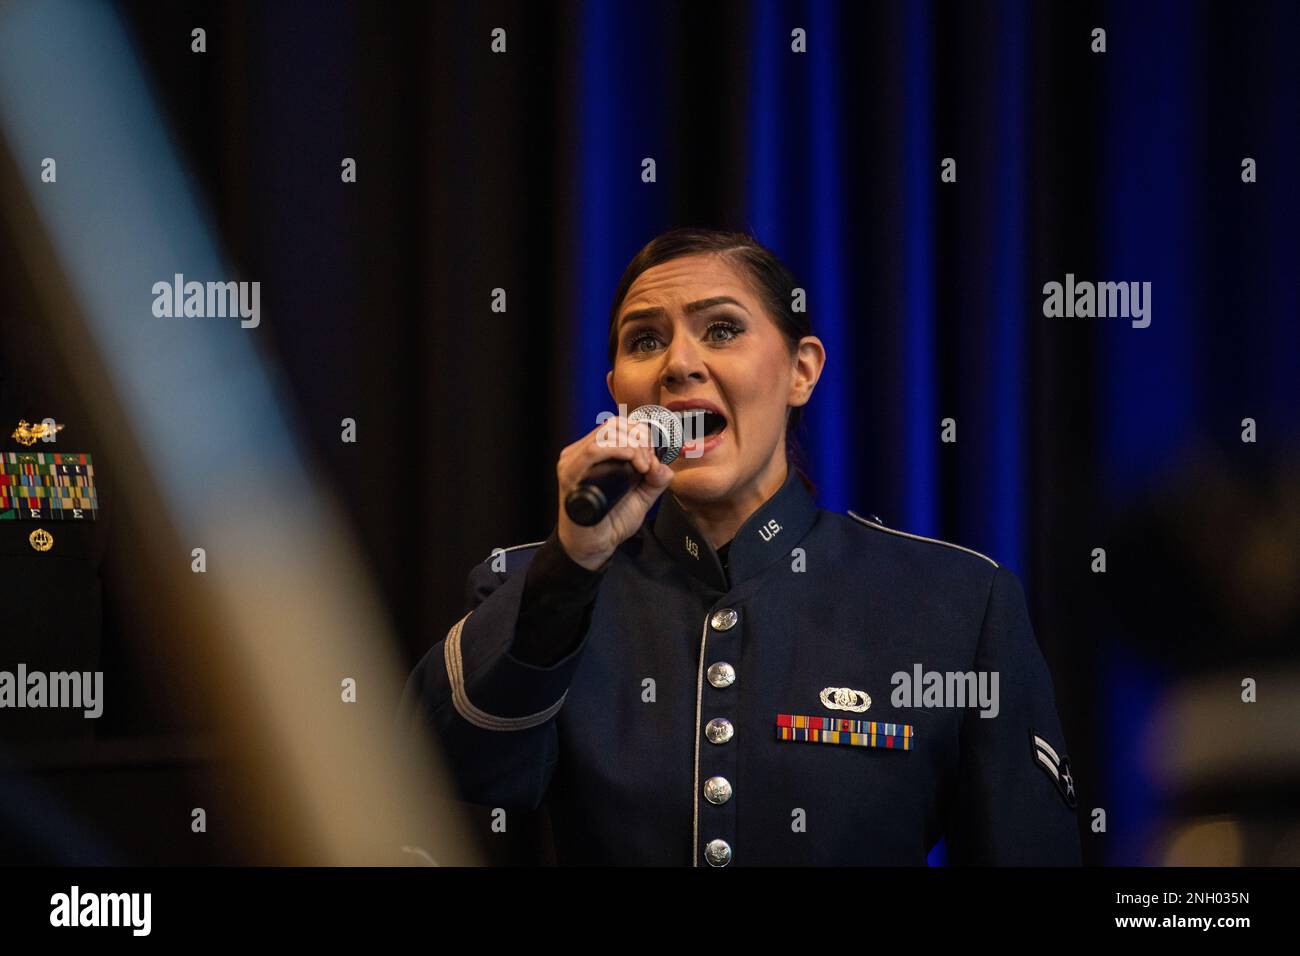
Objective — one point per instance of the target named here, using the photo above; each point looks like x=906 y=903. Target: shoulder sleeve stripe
x=481 y=718
x=917 y=537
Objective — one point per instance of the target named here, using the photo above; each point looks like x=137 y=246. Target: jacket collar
x=769 y=533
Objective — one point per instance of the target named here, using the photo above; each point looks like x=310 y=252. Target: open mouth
x=703 y=423
x=713 y=423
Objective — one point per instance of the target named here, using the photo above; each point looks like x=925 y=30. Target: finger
x=571 y=471
x=660 y=476
x=616 y=427
x=612 y=443
x=630 y=510
x=607 y=434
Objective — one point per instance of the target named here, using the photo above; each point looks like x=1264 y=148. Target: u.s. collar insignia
x=1056 y=766
x=846 y=698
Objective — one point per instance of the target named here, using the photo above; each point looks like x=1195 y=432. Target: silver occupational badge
x=846 y=698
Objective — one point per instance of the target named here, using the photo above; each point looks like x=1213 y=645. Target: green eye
x=730 y=328
x=634 y=344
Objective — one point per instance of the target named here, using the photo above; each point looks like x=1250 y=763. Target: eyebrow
x=655 y=312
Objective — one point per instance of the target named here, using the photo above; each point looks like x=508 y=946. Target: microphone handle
x=604 y=484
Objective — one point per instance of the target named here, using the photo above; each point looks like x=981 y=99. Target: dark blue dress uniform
x=656 y=737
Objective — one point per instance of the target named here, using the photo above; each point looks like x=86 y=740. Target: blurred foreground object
x=280 y=640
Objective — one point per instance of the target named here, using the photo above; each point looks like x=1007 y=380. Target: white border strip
x=699 y=692
x=513 y=547
x=918 y=537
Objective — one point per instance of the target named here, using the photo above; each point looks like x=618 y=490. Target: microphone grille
x=665 y=431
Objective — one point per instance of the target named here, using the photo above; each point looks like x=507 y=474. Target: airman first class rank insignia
x=47 y=486
x=838 y=730
x=1055 y=766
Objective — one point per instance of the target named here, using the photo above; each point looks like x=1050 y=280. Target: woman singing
x=739 y=677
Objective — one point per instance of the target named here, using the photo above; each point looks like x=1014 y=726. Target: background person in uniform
x=711 y=684
x=53 y=623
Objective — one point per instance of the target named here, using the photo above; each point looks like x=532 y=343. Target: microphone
x=607 y=481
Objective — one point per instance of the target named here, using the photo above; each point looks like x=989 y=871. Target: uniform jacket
x=674 y=733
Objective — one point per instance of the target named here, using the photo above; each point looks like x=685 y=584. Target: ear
x=609 y=383
x=809 y=360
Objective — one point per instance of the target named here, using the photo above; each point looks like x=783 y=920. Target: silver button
x=719 y=730
x=718 y=853
x=725 y=619
x=722 y=674
x=717 y=790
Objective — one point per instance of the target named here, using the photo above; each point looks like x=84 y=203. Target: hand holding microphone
x=609 y=479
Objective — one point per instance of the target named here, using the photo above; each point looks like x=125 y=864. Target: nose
x=682 y=363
